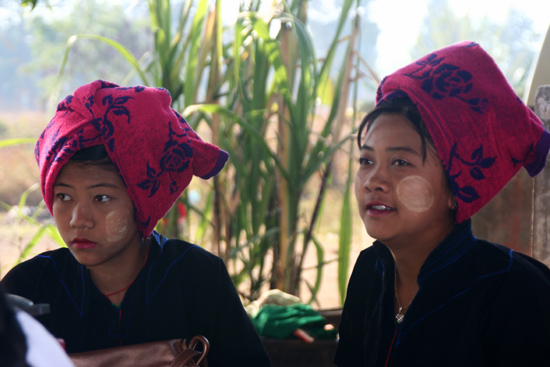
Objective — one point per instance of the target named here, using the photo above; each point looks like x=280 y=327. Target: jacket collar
x=452 y=248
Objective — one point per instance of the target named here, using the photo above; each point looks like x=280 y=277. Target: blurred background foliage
x=280 y=90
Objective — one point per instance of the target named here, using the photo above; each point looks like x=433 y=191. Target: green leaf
x=31 y=3
x=192 y=75
x=114 y=44
x=320 y=264
x=16 y=141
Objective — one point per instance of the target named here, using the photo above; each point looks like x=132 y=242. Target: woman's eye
x=400 y=162
x=63 y=197
x=364 y=161
x=102 y=198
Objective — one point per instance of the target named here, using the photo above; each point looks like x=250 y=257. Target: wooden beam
x=541 y=211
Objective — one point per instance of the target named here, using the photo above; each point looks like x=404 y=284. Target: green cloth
x=279 y=322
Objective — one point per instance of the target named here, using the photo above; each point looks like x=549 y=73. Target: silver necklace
x=400 y=309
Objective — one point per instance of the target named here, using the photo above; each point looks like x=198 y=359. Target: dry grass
x=18 y=169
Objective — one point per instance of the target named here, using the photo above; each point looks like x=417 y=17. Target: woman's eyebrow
x=393 y=149
x=366 y=147
x=403 y=149
x=101 y=184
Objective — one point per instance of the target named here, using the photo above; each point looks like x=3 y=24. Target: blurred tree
x=46 y=34
x=511 y=41
x=16 y=91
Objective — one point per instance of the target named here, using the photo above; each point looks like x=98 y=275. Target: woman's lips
x=378 y=209
x=83 y=244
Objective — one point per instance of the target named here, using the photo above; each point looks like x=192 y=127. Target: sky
x=398 y=33
x=400 y=20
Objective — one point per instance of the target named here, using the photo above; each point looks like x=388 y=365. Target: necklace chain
x=400 y=315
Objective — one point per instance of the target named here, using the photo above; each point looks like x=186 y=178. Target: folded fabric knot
x=482 y=130
x=154 y=149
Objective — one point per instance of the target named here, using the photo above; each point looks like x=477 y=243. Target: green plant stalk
x=338 y=110
x=298 y=110
x=219 y=212
x=320 y=264
x=193 y=67
x=344 y=246
x=344 y=241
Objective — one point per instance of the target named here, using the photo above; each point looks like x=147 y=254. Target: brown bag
x=166 y=353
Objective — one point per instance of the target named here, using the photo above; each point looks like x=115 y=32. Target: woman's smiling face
x=94 y=214
x=403 y=197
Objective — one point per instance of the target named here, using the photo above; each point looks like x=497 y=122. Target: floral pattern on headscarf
x=153 y=148
x=482 y=131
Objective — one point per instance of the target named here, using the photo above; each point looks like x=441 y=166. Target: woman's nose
x=376 y=179
x=81 y=216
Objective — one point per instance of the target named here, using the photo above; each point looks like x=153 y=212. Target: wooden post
x=507 y=218
x=541 y=212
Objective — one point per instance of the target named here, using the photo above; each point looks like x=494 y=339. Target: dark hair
x=13 y=344
x=95 y=155
x=406 y=107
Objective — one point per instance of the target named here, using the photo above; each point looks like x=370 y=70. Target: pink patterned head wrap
x=482 y=130
x=154 y=149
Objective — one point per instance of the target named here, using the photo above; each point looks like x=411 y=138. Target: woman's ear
x=452 y=203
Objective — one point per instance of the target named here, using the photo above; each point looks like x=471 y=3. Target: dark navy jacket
x=182 y=291
x=479 y=304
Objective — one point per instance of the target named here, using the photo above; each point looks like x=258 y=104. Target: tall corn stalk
x=275 y=150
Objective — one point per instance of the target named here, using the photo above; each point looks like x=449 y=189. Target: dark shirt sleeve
x=351 y=332
x=22 y=279
x=218 y=314
x=517 y=321
x=241 y=345
x=344 y=353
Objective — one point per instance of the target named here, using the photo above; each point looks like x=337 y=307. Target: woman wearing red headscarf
x=447 y=134
x=112 y=162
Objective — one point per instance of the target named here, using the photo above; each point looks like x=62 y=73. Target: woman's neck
x=409 y=259
x=410 y=254
x=114 y=279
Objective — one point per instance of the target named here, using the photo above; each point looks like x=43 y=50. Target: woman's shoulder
x=54 y=258
x=513 y=266
x=376 y=254
x=178 y=262
x=27 y=276
x=370 y=264
x=178 y=253
x=174 y=248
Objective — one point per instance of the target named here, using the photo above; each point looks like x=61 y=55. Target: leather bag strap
x=190 y=357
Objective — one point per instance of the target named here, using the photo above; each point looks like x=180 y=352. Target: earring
x=455 y=205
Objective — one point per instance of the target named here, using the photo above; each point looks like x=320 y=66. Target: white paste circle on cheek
x=416 y=193
x=116 y=224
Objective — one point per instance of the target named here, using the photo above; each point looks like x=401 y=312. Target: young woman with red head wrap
x=446 y=135
x=112 y=161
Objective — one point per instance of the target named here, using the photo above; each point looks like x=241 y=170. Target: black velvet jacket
x=478 y=304
x=182 y=291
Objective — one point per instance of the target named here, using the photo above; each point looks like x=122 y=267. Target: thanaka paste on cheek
x=416 y=193
x=116 y=224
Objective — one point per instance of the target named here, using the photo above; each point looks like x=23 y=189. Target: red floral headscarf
x=482 y=131
x=154 y=149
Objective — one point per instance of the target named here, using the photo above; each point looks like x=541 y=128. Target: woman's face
x=94 y=214
x=402 y=199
